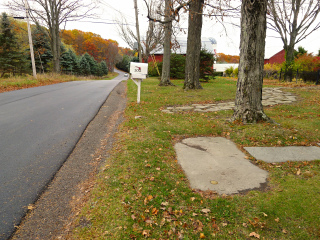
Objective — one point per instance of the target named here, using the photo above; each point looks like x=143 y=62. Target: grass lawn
x=20 y=82
x=142 y=192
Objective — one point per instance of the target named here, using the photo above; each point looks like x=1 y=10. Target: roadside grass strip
x=143 y=193
x=20 y=82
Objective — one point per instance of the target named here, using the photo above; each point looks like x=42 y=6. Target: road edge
x=51 y=216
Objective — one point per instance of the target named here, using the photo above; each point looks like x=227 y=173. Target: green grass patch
x=142 y=192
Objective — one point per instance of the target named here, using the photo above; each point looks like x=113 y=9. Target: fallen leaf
x=284 y=231
x=198 y=226
x=164 y=204
x=147 y=165
x=192 y=199
x=146 y=233
x=154 y=211
x=202 y=235
x=264 y=214
x=224 y=224
x=194 y=214
x=133 y=217
x=298 y=172
x=205 y=210
x=158 y=169
x=30 y=207
x=213 y=182
x=253 y=234
x=147 y=199
x=277 y=219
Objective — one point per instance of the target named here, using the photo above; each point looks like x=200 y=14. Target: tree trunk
x=289 y=49
x=248 y=103
x=53 y=25
x=192 y=72
x=165 y=76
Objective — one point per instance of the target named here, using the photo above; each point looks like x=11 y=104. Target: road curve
x=39 y=128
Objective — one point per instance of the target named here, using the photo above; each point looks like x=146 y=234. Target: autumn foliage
x=307 y=62
x=225 y=58
x=93 y=44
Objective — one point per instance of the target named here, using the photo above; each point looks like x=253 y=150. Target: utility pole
x=30 y=40
x=138 y=31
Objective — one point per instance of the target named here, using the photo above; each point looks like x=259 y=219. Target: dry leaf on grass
x=253 y=234
x=205 y=210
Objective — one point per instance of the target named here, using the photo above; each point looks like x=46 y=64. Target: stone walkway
x=270 y=96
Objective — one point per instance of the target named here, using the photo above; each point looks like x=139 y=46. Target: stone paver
x=283 y=154
x=270 y=96
x=215 y=163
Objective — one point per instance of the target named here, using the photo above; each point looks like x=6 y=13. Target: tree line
x=81 y=53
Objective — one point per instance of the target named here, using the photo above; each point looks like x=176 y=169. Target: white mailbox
x=139 y=70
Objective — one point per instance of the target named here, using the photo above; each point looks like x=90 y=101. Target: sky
x=227 y=36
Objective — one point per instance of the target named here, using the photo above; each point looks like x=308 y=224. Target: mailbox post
x=138 y=72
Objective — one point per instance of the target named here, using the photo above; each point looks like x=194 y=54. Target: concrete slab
x=215 y=163
x=283 y=154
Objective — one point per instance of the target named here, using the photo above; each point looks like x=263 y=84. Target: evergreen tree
x=41 y=46
x=12 y=59
x=84 y=66
x=206 y=64
x=99 y=70
x=66 y=61
x=104 y=68
x=93 y=63
x=75 y=62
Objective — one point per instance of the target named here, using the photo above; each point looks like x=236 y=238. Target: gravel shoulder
x=52 y=214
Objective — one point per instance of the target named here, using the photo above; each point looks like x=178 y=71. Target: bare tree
x=150 y=43
x=52 y=13
x=248 y=103
x=293 y=20
x=193 y=45
x=171 y=13
x=165 y=76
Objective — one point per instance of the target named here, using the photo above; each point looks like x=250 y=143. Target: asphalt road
x=39 y=127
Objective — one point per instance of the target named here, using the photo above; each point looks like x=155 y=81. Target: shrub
x=206 y=65
x=235 y=72
x=229 y=71
x=307 y=62
x=271 y=71
x=153 y=69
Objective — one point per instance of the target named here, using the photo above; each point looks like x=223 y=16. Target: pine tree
x=75 y=63
x=104 y=68
x=93 y=63
x=66 y=61
x=12 y=59
x=84 y=66
x=42 y=50
x=99 y=70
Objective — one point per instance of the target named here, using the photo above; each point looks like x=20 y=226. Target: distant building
x=209 y=44
x=277 y=58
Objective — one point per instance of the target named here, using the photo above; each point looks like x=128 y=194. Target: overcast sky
x=227 y=41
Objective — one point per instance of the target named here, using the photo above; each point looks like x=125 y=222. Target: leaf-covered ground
x=142 y=192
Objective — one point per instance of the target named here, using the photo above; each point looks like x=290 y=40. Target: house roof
x=207 y=43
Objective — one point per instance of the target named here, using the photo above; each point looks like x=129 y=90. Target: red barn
x=277 y=58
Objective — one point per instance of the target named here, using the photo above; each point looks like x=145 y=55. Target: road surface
x=39 y=127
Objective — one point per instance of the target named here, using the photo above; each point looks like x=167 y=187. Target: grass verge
x=142 y=191
x=20 y=82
